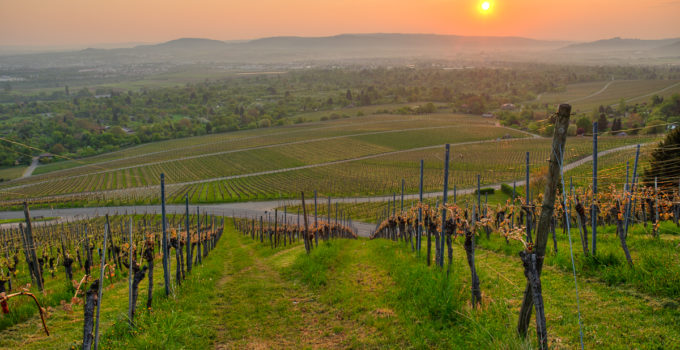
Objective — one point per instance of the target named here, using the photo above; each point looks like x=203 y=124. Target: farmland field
x=587 y=96
x=11 y=173
x=194 y=160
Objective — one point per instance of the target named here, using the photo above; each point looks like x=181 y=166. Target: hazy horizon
x=77 y=23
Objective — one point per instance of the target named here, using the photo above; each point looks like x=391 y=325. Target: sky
x=89 y=22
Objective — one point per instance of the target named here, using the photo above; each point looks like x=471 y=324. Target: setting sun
x=486 y=6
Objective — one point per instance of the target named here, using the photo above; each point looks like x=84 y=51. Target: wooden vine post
x=593 y=207
x=316 y=224
x=130 y=273
x=198 y=232
x=31 y=248
x=188 y=244
x=420 y=209
x=445 y=194
x=91 y=301
x=304 y=215
x=164 y=243
x=532 y=258
x=101 y=282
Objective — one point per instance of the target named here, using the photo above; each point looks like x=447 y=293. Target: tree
x=602 y=123
x=348 y=95
x=58 y=148
x=622 y=107
x=654 y=127
x=665 y=162
x=584 y=123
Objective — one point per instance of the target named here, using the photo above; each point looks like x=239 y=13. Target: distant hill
x=188 y=43
x=669 y=50
x=364 y=48
x=285 y=50
x=405 y=41
x=619 y=44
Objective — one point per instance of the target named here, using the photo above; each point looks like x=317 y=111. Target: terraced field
x=586 y=96
x=199 y=160
x=381 y=175
x=494 y=161
x=232 y=141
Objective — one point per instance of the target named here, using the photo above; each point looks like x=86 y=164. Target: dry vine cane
x=4 y=298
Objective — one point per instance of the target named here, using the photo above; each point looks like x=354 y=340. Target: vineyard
x=358 y=165
x=75 y=267
x=361 y=243
x=587 y=96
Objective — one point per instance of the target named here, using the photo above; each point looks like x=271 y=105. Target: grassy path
x=260 y=309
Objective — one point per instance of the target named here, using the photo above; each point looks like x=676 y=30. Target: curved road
x=263 y=208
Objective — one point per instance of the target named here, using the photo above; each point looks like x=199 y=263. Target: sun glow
x=486 y=6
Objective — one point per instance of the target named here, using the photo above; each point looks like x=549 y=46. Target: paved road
x=29 y=171
x=242 y=210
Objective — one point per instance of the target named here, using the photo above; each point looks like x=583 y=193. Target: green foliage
x=602 y=123
x=488 y=190
x=584 y=123
x=665 y=161
x=507 y=190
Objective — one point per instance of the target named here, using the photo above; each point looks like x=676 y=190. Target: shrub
x=507 y=189
x=488 y=190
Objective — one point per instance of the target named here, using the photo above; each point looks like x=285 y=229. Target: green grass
x=382 y=284
x=10 y=221
x=651 y=274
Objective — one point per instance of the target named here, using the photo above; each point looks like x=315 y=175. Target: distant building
x=45 y=156
x=508 y=107
x=487 y=115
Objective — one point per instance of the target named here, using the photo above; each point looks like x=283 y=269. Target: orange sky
x=82 y=22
